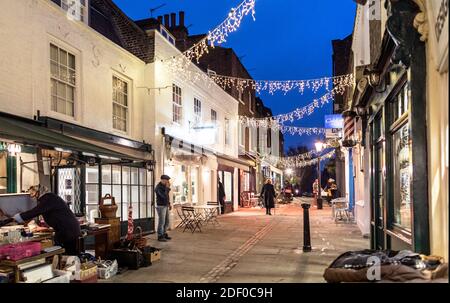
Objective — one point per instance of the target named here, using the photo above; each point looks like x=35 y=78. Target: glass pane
x=63 y=57
x=135 y=210
x=402 y=177
x=142 y=194
x=61 y=90
x=54 y=70
x=53 y=53
x=63 y=73
x=228 y=185
x=116 y=174
x=91 y=194
x=149 y=178
x=70 y=93
x=71 y=61
x=116 y=193
x=91 y=174
x=126 y=175
x=124 y=214
x=61 y=106
x=69 y=108
x=142 y=176
x=106 y=174
x=134 y=194
x=126 y=193
x=54 y=103
x=134 y=175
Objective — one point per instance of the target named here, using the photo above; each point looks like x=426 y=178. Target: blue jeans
x=163 y=219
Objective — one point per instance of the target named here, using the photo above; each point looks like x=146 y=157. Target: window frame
x=57 y=80
x=197 y=110
x=84 y=9
x=177 y=92
x=127 y=107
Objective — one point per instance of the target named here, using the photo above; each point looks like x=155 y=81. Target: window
x=63 y=80
x=75 y=9
x=120 y=104
x=213 y=116
x=167 y=35
x=177 y=105
x=402 y=168
x=269 y=138
x=227 y=132
x=250 y=103
x=241 y=135
x=197 y=110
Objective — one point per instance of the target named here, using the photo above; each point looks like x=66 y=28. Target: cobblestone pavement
x=249 y=246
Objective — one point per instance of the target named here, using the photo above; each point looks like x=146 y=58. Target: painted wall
x=30 y=26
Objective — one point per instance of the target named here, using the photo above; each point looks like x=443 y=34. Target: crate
x=19 y=251
x=86 y=272
x=151 y=254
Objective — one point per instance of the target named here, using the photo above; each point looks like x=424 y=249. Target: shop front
x=394 y=131
x=80 y=172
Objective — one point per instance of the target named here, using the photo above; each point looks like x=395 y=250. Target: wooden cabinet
x=114 y=231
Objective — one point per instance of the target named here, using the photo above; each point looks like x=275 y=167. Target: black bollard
x=306 y=231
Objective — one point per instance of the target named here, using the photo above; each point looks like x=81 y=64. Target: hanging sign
x=334 y=121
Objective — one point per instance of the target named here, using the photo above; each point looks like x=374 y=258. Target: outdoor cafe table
x=208 y=211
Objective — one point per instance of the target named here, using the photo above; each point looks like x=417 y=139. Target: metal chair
x=341 y=211
x=181 y=216
x=212 y=215
x=193 y=221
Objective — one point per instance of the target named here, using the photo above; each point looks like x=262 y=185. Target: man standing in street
x=163 y=207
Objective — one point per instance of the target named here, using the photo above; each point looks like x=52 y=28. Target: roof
x=110 y=21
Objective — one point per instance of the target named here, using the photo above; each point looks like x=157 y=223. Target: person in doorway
x=268 y=194
x=331 y=190
x=221 y=194
x=56 y=214
x=163 y=207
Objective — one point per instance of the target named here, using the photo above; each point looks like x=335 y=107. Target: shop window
x=92 y=192
x=401 y=157
x=179 y=184
x=177 y=105
x=120 y=104
x=69 y=188
x=63 y=80
x=227 y=132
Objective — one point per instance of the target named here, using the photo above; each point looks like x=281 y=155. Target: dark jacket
x=221 y=192
x=268 y=192
x=57 y=215
x=162 y=195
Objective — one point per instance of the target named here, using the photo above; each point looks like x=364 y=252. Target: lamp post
x=319 y=148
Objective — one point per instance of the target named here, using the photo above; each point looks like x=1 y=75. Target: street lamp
x=319 y=148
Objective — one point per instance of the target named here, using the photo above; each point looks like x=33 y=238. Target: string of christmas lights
x=298 y=162
x=297 y=114
x=217 y=36
x=294 y=130
x=339 y=83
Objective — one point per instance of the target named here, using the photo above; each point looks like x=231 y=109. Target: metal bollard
x=306 y=230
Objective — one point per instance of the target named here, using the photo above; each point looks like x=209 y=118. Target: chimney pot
x=173 y=21
x=166 y=20
x=181 y=18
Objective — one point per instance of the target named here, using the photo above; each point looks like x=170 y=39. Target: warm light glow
x=289 y=171
x=319 y=146
x=14 y=149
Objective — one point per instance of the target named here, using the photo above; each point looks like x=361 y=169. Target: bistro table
x=208 y=212
x=340 y=201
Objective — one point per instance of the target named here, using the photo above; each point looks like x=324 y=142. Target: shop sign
x=438 y=16
x=334 y=121
x=333 y=133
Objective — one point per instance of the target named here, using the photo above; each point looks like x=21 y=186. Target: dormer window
x=75 y=9
x=165 y=33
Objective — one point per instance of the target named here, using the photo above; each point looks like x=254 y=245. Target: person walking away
x=163 y=207
x=57 y=215
x=268 y=193
x=222 y=195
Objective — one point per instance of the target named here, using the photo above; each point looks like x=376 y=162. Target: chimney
x=160 y=19
x=166 y=20
x=173 y=20
x=181 y=18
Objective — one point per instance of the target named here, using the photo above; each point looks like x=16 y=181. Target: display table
x=101 y=241
x=15 y=264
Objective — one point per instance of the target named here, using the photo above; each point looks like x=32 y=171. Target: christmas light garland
x=217 y=36
x=294 y=130
x=298 y=161
x=339 y=83
x=297 y=114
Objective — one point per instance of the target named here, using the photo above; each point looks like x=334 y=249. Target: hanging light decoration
x=14 y=149
x=297 y=161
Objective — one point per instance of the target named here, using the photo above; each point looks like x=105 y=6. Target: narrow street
x=249 y=246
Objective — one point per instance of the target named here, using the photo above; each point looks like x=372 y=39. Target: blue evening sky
x=290 y=39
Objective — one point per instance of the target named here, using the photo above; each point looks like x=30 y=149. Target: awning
x=30 y=132
x=233 y=162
